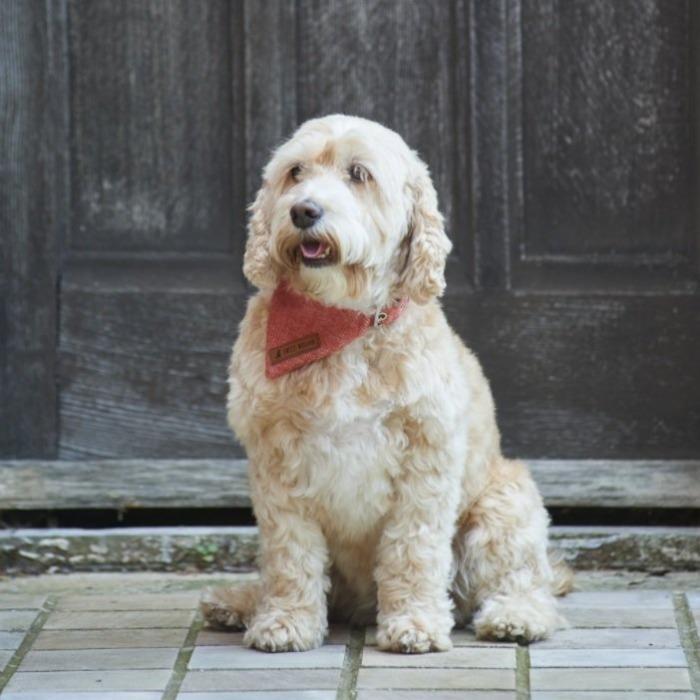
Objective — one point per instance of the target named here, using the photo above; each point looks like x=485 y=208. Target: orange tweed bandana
x=301 y=330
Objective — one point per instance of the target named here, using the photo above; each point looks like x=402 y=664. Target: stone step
x=651 y=549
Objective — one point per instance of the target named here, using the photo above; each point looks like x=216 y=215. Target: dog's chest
x=348 y=461
x=346 y=449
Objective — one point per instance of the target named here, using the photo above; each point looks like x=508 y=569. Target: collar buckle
x=380 y=317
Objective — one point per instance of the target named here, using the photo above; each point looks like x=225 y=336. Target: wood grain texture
x=124 y=484
x=589 y=376
x=606 y=111
x=269 y=34
x=211 y=483
x=151 y=114
x=144 y=352
x=406 y=66
x=604 y=174
x=618 y=484
x=33 y=216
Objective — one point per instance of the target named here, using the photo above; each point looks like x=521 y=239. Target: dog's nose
x=305 y=214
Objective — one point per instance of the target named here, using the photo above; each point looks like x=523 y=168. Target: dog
x=376 y=474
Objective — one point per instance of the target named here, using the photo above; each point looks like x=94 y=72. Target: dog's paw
x=409 y=635
x=230 y=607
x=282 y=631
x=517 y=618
x=219 y=613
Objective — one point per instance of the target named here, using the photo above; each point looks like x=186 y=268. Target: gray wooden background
x=562 y=136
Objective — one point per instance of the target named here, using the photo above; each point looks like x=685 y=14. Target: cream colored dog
x=376 y=472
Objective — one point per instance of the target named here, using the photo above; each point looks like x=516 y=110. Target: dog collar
x=301 y=330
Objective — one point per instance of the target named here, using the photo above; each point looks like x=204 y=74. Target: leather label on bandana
x=294 y=348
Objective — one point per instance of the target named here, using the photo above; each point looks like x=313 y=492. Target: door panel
x=151 y=115
x=605 y=118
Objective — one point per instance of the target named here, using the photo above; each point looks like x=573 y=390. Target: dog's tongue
x=313 y=249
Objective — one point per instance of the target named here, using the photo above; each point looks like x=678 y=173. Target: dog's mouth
x=315 y=253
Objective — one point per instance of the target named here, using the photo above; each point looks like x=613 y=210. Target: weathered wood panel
x=32 y=220
x=405 y=65
x=152 y=128
x=219 y=483
x=144 y=352
x=618 y=483
x=269 y=35
x=606 y=113
x=603 y=145
x=123 y=484
x=589 y=376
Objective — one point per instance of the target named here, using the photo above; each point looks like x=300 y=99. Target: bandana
x=301 y=330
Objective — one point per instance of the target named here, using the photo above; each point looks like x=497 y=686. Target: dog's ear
x=257 y=263
x=426 y=245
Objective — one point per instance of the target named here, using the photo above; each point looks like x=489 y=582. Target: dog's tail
x=563 y=579
x=231 y=607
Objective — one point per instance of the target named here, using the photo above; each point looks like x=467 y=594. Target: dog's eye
x=358 y=173
x=295 y=172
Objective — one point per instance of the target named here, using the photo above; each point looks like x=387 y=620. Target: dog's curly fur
x=376 y=473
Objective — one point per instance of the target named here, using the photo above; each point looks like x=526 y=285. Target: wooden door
x=562 y=136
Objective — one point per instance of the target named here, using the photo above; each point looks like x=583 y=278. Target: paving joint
x=347 y=687
x=183 y=659
x=522 y=672
x=689 y=639
x=29 y=638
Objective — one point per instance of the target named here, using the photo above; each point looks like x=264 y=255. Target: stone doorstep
x=217 y=549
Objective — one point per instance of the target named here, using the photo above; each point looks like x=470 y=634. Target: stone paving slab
x=221 y=657
x=145 y=601
x=623 y=679
x=110 y=639
x=20 y=602
x=134 y=619
x=612 y=658
x=89 y=680
x=436 y=678
x=16 y=620
x=617 y=599
x=459 y=657
x=610 y=695
x=280 y=679
x=434 y=695
x=98 y=660
x=612 y=638
x=84 y=695
x=619 y=617
x=10 y=640
x=5 y=657
x=262 y=695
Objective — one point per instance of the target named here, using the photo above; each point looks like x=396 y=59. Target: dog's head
x=347 y=213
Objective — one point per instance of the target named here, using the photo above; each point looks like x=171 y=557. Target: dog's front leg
x=414 y=559
x=291 y=613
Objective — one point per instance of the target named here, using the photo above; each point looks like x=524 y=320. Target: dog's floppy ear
x=426 y=245
x=257 y=263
